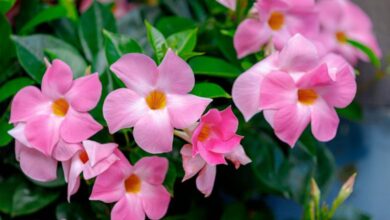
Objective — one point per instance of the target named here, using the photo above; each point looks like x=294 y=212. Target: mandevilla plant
x=124 y=103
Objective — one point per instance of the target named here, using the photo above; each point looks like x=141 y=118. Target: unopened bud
x=347 y=188
x=314 y=190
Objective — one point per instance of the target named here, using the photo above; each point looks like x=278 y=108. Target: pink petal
x=154 y=124
x=123 y=108
x=64 y=151
x=18 y=133
x=175 y=75
x=97 y=152
x=36 y=165
x=42 y=132
x=155 y=200
x=290 y=122
x=238 y=157
x=324 y=121
x=250 y=36
x=128 y=207
x=191 y=165
x=57 y=80
x=335 y=64
x=269 y=116
x=225 y=146
x=77 y=126
x=85 y=93
x=229 y=123
x=91 y=171
x=152 y=169
x=210 y=157
x=303 y=59
x=231 y=4
x=315 y=78
x=76 y=167
x=205 y=179
x=184 y=110
x=27 y=103
x=137 y=71
x=277 y=90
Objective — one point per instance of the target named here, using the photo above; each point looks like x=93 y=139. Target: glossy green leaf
x=209 y=90
x=353 y=112
x=183 y=42
x=73 y=211
x=30 y=52
x=174 y=24
x=157 y=41
x=212 y=66
x=76 y=61
x=70 y=7
x=11 y=87
x=6 y=43
x=92 y=23
x=170 y=178
x=366 y=50
x=5 y=138
x=6 y=5
x=117 y=45
x=44 y=16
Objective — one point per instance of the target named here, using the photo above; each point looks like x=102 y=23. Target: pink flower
x=206 y=173
x=216 y=136
x=342 y=20
x=296 y=87
x=137 y=190
x=275 y=21
x=231 y=4
x=92 y=159
x=155 y=100
x=57 y=116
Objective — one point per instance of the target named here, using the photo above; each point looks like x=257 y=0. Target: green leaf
x=235 y=211
x=352 y=112
x=210 y=90
x=183 y=42
x=117 y=45
x=5 y=6
x=366 y=50
x=170 y=179
x=76 y=61
x=11 y=87
x=174 y=24
x=6 y=43
x=71 y=211
x=46 y=15
x=70 y=7
x=92 y=22
x=212 y=66
x=5 y=138
x=157 y=41
x=30 y=52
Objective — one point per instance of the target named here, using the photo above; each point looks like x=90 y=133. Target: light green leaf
x=210 y=90
x=174 y=24
x=157 y=41
x=366 y=50
x=212 y=66
x=71 y=10
x=76 y=61
x=183 y=42
x=11 y=87
x=5 y=138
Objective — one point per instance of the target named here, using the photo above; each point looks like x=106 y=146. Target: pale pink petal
x=42 y=132
x=128 y=207
x=191 y=165
x=152 y=169
x=250 y=36
x=302 y=59
x=36 y=165
x=290 y=122
x=138 y=71
x=317 y=77
x=184 y=110
x=76 y=167
x=85 y=93
x=231 y=4
x=155 y=200
x=77 y=127
x=175 y=75
x=63 y=151
x=27 y=103
x=123 y=108
x=57 y=80
x=205 y=179
x=155 y=124
x=335 y=64
x=66 y=169
x=324 y=121
x=238 y=157
x=18 y=133
x=269 y=116
x=278 y=90
x=97 y=152
x=97 y=169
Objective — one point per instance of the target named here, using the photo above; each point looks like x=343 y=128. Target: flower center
x=204 y=133
x=341 y=37
x=133 y=184
x=307 y=96
x=276 y=21
x=156 y=100
x=84 y=157
x=60 y=107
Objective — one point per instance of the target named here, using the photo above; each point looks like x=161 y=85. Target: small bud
x=347 y=188
x=88 y=71
x=314 y=190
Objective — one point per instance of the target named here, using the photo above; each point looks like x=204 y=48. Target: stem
x=183 y=135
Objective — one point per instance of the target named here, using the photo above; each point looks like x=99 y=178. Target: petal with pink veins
x=155 y=200
x=152 y=169
x=205 y=179
x=57 y=80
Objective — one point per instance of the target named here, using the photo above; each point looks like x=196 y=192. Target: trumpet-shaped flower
x=155 y=101
x=216 y=136
x=137 y=190
x=231 y=4
x=92 y=159
x=342 y=20
x=294 y=87
x=274 y=22
x=58 y=113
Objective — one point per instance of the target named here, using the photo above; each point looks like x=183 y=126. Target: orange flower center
x=307 y=96
x=133 y=184
x=276 y=21
x=156 y=100
x=204 y=133
x=60 y=107
x=341 y=37
x=84 y=157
